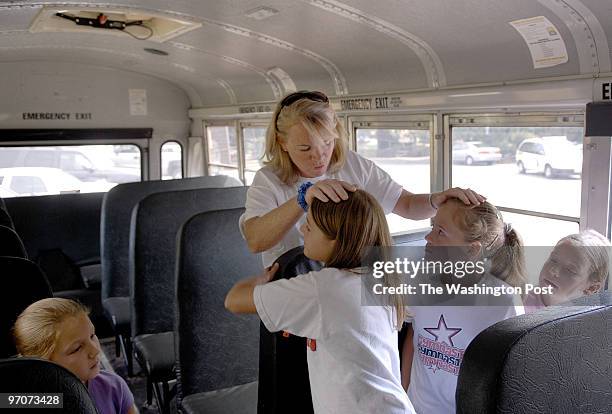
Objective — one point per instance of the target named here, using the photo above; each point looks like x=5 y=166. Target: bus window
x=536 y=170
x=44 y=170
x=547 y=233
x=222 y=151
x=171 y=160
x=254 y=148
x=405 y=155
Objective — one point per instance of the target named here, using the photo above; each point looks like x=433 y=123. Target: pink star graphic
x=444 y=333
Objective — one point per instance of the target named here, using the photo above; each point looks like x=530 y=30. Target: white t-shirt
x=441 y=336
x=355 y=365
x=268 y=192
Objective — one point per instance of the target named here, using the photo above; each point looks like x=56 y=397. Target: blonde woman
x=60 y=331
x=308 y=158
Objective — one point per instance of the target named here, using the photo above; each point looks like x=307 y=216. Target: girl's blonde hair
x=37 y=327
x=595 y=248
x=501 y=244
x=319 y=119
x=358 y=224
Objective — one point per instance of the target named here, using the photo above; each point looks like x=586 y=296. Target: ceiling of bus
x=341 y=47
x=603 y=11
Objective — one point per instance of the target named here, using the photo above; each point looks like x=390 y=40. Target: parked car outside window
x=551 y=156
x=475 y=152
x=34 y=181
x=71 y=161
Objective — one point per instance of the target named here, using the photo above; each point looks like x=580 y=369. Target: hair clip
x=492 y=241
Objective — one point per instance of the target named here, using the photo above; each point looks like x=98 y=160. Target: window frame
x=415 y=121
x=594 y=213
x=574 y=118
x=161 y=162
x=229 y=124
x=241 y=126
x=141 y=144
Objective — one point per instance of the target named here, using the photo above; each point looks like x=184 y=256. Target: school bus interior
x=131 y=131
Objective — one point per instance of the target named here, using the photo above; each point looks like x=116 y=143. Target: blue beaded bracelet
x=301 y=195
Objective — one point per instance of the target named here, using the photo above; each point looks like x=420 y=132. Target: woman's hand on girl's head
x=468 y=196
x=325 y=190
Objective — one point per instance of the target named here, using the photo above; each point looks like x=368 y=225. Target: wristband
x=301 y=195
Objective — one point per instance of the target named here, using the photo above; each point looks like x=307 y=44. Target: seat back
x=115 y=219
x=156 y=222
x=283 y=368
x=215 y=349
x=29 y=375
x=10 y=243
x=71 y=223
x=5 y=217
x=23 y=283
x=558 y=359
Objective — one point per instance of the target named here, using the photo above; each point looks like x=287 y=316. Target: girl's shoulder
x=331 y=277
x=333 y=271
x=107 y=380
x=110 y=393
x=533 y=302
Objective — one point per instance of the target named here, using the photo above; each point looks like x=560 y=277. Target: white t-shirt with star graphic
x=441 y=336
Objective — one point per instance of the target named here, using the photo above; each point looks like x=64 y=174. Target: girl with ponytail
x=439 y=334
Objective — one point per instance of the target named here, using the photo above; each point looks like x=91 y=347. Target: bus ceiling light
x=103 y=22
x=155 y=26
x=462 y=95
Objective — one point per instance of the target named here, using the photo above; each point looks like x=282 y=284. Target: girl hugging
x=353 y=361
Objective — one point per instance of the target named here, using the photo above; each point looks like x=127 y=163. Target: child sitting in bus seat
x=60 y=331
x=577 y=266
x=441 y=332
x=353 y=360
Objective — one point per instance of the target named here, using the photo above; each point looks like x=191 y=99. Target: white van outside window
x=45 y=170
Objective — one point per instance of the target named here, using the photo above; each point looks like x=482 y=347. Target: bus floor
x=137 y=383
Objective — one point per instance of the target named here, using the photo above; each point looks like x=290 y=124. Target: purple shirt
x=110 y=393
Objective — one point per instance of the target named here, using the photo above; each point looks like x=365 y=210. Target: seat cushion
x=117 y=311
x=241 y=399
x=155 y=352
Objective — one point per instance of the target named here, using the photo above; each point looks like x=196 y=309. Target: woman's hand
x=468 y=196
x=331 y=189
